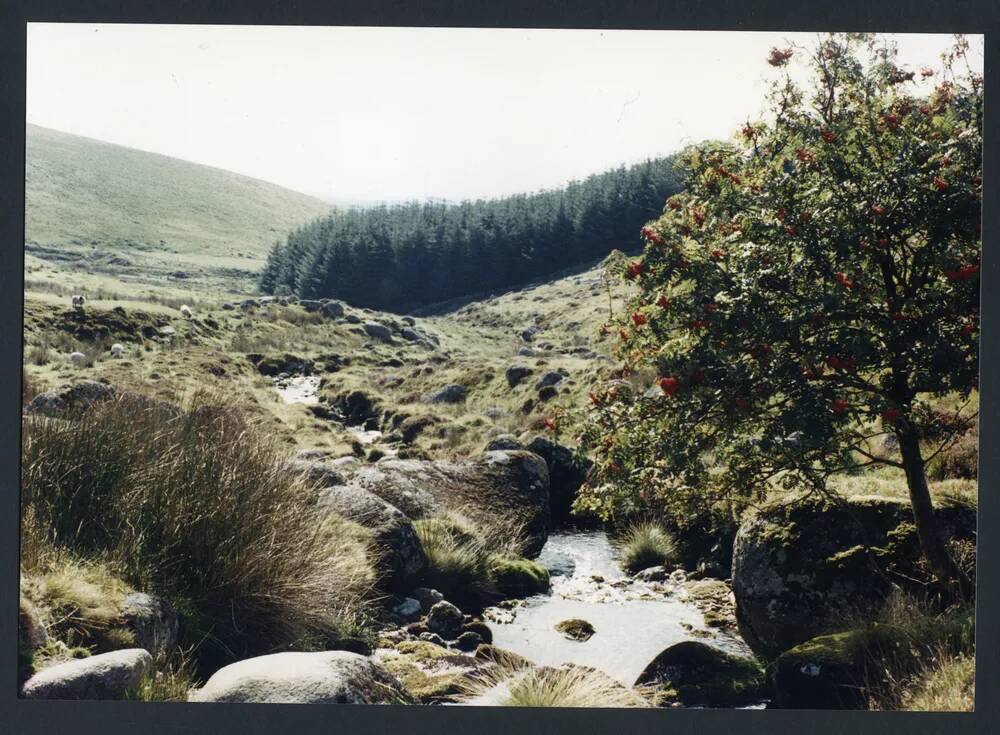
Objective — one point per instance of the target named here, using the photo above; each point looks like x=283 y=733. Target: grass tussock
x=463 y=556
x=169 y=679
x=646 y=544
x=194 y=505
x=949 y=685
x=568 y=686
x=911 y=641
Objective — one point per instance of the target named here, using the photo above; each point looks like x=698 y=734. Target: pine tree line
x=399 y=257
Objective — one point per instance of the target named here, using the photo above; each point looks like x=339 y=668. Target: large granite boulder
x=800 y=568
x=328 y=677
x=509 y=488
x=107 y=676
x=567 y=472
x=401 y=557
x=451 y=393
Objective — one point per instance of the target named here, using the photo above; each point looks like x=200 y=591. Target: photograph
x=500 y=367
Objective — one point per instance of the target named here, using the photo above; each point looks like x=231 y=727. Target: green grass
x=646 y=544
x=193 y=505
x=82 y=192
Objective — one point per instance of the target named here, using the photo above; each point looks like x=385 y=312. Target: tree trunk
x=941 y=564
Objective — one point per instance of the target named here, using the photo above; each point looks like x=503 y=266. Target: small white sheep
x=78 y=359
x=79 y=300
x=117 y=349
x=185 y=311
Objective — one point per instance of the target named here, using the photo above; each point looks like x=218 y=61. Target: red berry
x=663 y=302
x=878 y=209
x=638 y=319
x=827 y=136
x=844 y=281
x=940 y=184
x=634 y=269
x=890 y=415
x=669 y=385
x=839 y=406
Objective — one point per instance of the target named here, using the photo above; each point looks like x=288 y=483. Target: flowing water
x=299 y=389
x=634 y=621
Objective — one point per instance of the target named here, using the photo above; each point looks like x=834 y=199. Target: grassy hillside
x=108 y=207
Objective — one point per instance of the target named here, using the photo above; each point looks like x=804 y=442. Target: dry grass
x=949 y=685
x=569 y=686
x=194 y=505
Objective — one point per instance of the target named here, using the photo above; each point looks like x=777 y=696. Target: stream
x=634 y=621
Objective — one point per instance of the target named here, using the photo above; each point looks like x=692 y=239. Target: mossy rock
x=576 y=629
x=801 y=567
x=519 y=577
x=831 y=671
x=696 y=674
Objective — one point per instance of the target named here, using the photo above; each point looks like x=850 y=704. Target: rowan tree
x=813 y=288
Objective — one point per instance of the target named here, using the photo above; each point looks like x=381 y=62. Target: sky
x=387 y=114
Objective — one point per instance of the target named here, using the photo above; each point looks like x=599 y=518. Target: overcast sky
x=362 y=114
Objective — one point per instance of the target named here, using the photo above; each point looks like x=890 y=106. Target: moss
x=519 y=577
x=694 y=673
x=425 y=687
x=423 y=651
x=576 y=629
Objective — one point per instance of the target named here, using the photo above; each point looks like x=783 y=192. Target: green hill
x=84 y=194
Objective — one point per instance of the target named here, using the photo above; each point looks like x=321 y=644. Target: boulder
x=504 y=442
x=497 y=488
x=107 y=676
x=70 y=399
x=826 y=672
x=311 y=304
x=519 y=577
x=516 y=373
x=333 y=309
x=801 y=567
x=451 y=393
x=468 y=641
x=427 y=597
x=567 y=472
x=479 y=628
x=408 y=609
x=549 y=379
x=700 y=675
x=328 y=677
x=445 y=619
x=378 y=331
x=547 y=393
x=652 y=574
x=152 y=620
x=401 y=556
x=529 y=334
x=314 y=472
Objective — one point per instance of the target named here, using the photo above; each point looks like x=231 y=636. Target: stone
x=314 y=472
x=468 y=641
x=401 y=557
x=519 y=577
x=333 y=309
x=800 y=568
x=70 y=399
x=228 y=306
x=653 y=574
x=445 y=619
x=505 y=488
x=106 y=676
x=504 y=442
x=550 y=378
x=529 y=334
x=451 y=393
x=547 y=393
x=479 y=628
x=433 y=638
x=408 y=609
x=328 y=677
x=378 y=331
x=568 y=470
x=575 y=629
x=701 y=675
x=311 y=304
x=152 y=620
x=426 y=597
x=516 y=373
